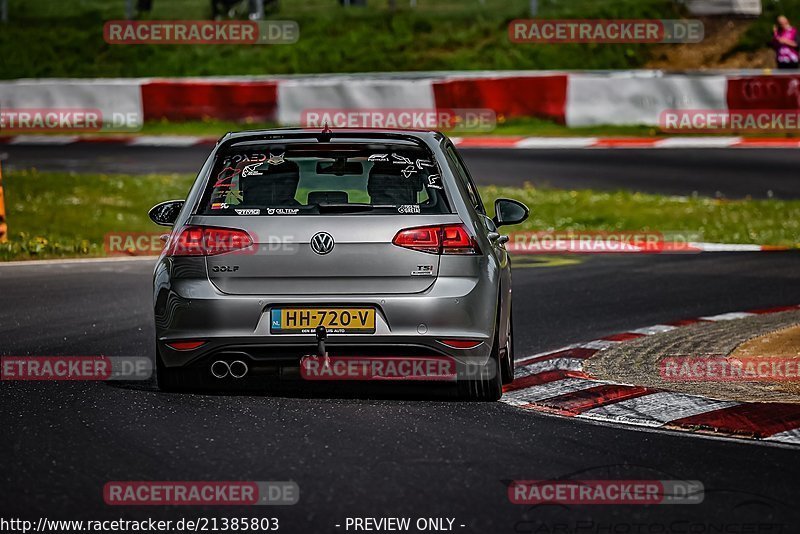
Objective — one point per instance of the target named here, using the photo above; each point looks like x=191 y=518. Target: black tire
x=489 y=387
x=168 y=379
x=507 y=359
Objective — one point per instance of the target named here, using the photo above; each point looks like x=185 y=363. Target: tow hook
x=322 y=335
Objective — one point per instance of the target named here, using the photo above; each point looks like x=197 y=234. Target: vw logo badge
x=322 y=243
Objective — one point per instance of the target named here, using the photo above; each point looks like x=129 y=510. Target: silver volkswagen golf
x=297 y=250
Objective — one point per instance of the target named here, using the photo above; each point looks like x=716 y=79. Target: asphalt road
x=398 y=455
x=731 y=173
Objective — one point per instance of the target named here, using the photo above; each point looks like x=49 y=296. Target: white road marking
x=43 y=139
x=521 y=361
x=165 y=140
x=656 y=409
x=556 y=364
x=556 y=142
x=547 y=390
x=728 y=316
x=725 y=247
x=655 y=329
x=600 y=344
x=698 y=142
x=788 y=436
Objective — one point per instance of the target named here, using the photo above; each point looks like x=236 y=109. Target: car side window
x=463 y=174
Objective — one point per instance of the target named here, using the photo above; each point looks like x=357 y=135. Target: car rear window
x=325 y=178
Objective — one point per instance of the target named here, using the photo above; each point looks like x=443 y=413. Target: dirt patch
x=721 y=36
x=780 y=344
x=638 y=362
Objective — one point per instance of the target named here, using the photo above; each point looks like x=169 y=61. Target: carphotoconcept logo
x=605 y=31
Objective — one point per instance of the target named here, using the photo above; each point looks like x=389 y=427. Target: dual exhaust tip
x=236 y=369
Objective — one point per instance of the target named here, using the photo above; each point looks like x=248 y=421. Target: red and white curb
x=530 y=143
x=555 y=382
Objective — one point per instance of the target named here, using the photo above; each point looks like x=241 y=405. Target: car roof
x=350 y=133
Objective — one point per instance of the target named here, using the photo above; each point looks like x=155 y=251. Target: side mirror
x=509 y=212
x=166 y=213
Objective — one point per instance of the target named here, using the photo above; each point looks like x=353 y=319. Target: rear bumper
x=452 y=308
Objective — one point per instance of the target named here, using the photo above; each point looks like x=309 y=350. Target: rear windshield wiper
x=344 y=208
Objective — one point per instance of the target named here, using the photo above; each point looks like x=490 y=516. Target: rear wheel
x=507 y=361
x=180 y=379
x=488 y=387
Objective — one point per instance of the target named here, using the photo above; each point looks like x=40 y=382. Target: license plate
x=335 y=320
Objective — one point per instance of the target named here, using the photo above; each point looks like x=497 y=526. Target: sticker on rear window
x=282 y=211
x=435 y=181
x=244 y=158
x=276 y=159
x=234 y=197
x=408 y=208
x=248 y=211
x=250 y=170
x=378 y=157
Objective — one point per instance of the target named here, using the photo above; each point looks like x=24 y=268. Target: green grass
x=53 y=215
x=517 y=126
x=521 y=126
x=764 y=222
x=65 y=39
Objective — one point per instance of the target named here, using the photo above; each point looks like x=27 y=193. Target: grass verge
x=520 y=126
x=65 y=39
x=54 y=215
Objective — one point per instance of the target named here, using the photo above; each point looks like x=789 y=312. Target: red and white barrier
x=638 y=97
x=574 y=99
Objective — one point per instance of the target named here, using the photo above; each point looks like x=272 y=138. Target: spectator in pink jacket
x=784 y=40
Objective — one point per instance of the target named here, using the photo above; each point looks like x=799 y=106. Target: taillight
x=447 y=239
x=208 y=241
x=186 y=345
x=460 y=343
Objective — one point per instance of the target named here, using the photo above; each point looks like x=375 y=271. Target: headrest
x=328 y=197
